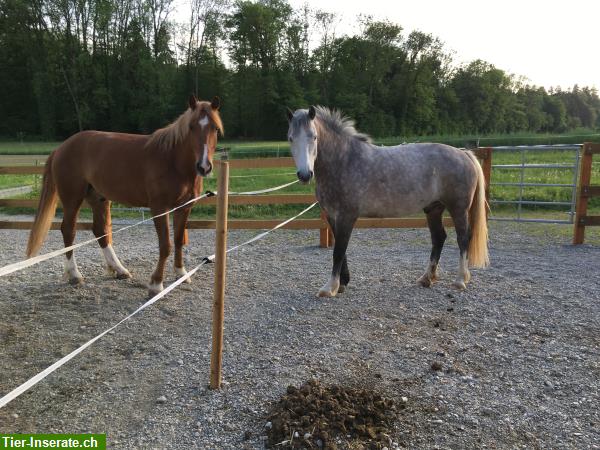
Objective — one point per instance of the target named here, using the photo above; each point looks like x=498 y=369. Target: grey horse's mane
x=340 y=124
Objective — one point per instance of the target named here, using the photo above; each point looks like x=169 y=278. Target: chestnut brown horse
x=159 y=171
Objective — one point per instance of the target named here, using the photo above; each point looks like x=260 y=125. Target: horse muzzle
x=304 y=176
x=204 y=171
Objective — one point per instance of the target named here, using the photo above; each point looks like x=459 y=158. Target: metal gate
x=560 y=162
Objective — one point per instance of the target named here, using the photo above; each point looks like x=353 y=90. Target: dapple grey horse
x=355 y=178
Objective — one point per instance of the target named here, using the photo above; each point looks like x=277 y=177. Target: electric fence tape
x=40 y=376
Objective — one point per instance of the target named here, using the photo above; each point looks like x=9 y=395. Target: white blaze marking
x=303 y=152
x=205 y=164
x=203 y=122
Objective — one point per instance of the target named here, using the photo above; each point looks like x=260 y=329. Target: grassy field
x=253 y=149
x=245 y=180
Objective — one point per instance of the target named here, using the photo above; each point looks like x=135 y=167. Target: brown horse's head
x=205 y=124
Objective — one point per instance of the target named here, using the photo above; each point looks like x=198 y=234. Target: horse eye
x=315 y=138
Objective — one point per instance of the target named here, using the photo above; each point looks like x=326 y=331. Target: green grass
x=9 y=181
x=27 y=148
x=253 y=149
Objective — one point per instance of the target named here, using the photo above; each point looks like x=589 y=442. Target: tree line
x=129 y=65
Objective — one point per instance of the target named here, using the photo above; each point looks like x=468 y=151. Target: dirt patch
x=321 y=416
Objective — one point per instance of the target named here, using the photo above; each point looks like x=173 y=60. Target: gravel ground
x=513 y=362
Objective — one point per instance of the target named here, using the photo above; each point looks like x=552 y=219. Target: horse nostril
x=304 y=176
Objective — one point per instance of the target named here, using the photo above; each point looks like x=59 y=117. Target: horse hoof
x=180 y=271
x=460 y=285
x=155 y=288
x=425 y=281
x=123 y=275
x=325 y=294
x=341 y=289
x=75 y=281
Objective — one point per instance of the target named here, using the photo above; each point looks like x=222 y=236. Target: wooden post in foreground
x=216 y=356
x=584 y=192
x=486 y=165
x=325 y=234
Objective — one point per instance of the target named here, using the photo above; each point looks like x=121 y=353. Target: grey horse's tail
x=478 y=245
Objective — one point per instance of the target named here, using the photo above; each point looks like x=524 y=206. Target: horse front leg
x=164 y=243
x=71 y=272
x=438 y=237
x=339 y=273
x=180 y=218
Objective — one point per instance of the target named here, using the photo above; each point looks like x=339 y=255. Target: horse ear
x=215 y=103
x=290 y=114
x=192 y=101
x=312 y=112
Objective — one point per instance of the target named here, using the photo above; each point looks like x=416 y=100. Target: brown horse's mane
x=175 y=133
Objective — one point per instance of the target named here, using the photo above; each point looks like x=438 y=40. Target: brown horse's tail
x=45 y=211
x=478 y=245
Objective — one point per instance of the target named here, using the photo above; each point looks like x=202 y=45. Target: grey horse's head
x=302 y=135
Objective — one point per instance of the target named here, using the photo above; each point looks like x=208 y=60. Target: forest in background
x=130 y=65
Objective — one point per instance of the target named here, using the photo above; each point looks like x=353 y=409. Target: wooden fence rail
x=326 y=238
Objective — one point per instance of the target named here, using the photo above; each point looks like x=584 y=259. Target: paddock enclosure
x=518 y=350
x=512 y=362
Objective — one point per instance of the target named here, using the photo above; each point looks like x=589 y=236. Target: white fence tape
x=40 y=376
x=264 y=191
x=20 y=265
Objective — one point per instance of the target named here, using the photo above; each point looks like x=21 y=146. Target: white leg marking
x=330 y=289
x=113 y=265
x=430 y=275
x=180 y=271
x=463 y=273
x=155 y=288
x=72 y=274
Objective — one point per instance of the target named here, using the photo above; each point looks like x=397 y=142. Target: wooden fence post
x=583 y=190
x=487 y=172
x=216 y=356
x=325 y=234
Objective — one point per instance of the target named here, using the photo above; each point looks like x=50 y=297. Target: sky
x=551 y=43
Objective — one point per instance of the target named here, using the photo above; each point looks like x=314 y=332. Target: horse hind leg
x=438 y=237
x=102 y=229
x=67 y=228
x=461 y=224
